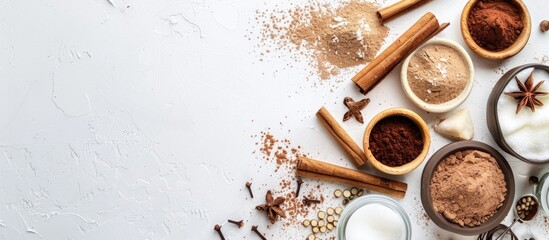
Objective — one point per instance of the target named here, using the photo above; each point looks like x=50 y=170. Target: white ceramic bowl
x=446 y=106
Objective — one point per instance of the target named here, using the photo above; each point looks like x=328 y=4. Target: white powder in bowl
x=375 y=221
x=526 y=132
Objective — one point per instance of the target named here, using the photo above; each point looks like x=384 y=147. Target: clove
x=217 y=228
x=308 y=202
x=533 y=180
x=238 y=223
x=249 y=186
x=254 y=229
x=299 y=182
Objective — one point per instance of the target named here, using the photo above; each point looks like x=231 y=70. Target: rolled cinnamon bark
x=311 y=168
x=340 y=135
x=399 y=7
x=425 y=28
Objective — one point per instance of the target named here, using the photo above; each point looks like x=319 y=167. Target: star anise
x=527 y=94
x=272 y=207
x=355 y=108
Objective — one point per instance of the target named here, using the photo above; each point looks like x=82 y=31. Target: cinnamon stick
x=378 y=68
x=311 y=168
x=398 y=7
x=340 y=135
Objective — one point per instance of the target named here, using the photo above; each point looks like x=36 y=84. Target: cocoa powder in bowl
x=468 y=187
x=395 y=141
x=495 y=24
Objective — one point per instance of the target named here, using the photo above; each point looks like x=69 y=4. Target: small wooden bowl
x=505 y=53
x=408 y=167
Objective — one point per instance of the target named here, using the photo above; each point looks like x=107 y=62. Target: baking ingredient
x=437 y=73
x=341 y=136
x=256 y=231
x=544 y=25
x=332 y=38
x=426 y=27
x=272 y=207
x=527 y=207
x=354 y=108
x=311 y=168
x=308 y=201
x=397 y=8
x=375 y=221
x=457 y=125
x=395 y=141
x=217 y=228
x=468 y=187
x=325 y=222
x=240 y=223
x=528 y=93
x=494 y=24
x=299 y=182
x=249 y=187
x=526 y=132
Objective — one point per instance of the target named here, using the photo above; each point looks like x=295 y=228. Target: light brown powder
x=330 y=38
x=437 y=73
x=468 y=187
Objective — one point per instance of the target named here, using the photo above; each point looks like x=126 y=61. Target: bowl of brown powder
x=495 y=29
x=438 y=76
x=467 y=188
x=396 y=141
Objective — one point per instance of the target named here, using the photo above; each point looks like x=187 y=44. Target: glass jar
x=360 y=202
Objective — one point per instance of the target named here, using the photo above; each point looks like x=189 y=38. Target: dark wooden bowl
x=437 y=217
x=492 y=109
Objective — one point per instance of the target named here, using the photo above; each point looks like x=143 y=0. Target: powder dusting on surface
x=329 y=38
x=284 y=155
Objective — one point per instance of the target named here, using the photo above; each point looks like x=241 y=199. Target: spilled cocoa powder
x=468 y=187
x=329 y=38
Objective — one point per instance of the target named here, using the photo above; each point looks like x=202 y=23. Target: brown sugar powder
x=468 y=187
x=329 y=38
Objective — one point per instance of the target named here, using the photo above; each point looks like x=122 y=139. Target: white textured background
x=133 y=119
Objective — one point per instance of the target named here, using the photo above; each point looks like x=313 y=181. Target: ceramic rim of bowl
x=445 y=106
x=492 y=117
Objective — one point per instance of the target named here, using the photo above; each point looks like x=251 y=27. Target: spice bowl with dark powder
x=496 y=29
x=467 y=188
x=396 y=141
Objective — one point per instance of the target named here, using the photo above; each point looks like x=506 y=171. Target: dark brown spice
x=308 y=201
x=395 y=141
x=528 y=93
x=217 y=228
x=254 y=229
x=495 y=24
x=249 y=186
x=299 y=182
x=238 y=223
x=355 y=108
x=272 y=207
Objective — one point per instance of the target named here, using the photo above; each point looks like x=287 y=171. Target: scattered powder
x=468 y=187
x=285 y=155
x=329 y=38
x=437 y=73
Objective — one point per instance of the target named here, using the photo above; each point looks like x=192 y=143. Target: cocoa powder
x=395 y=141
x=468 y=187
x=495 y=24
